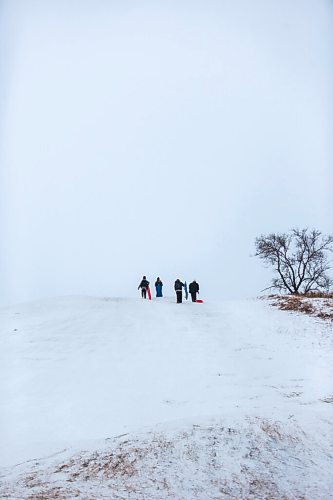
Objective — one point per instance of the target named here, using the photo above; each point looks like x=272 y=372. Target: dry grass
x=203 y=462
x=56 y=493
x=319 y=305
x=318 y=295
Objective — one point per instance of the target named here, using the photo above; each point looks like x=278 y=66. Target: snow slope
x=251 y=382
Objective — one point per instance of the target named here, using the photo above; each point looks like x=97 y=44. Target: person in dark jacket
x=194 y=289
x=158 y=286
x=143 y=285
x=179 y=291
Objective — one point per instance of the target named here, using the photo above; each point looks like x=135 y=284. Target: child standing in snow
x=143 y=285
x=179 y=290
x=158 y=286
x=194 y=289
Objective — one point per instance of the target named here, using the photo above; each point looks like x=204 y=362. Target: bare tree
x=299 y=259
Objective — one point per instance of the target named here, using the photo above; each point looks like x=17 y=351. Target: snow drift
x=125 y=398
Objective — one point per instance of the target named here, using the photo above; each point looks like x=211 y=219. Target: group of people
x=179 y=286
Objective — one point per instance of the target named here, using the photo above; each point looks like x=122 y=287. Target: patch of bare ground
x=319 y=305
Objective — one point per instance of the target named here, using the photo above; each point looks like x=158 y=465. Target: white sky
x=159 y=138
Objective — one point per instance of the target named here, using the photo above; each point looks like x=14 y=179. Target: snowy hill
x=116 y=398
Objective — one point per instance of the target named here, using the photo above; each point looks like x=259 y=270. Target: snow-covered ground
x=126 y=398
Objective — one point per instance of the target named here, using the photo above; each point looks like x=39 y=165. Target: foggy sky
x=159 y=138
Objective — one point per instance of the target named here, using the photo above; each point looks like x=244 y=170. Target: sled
x=149 y=292
x=200 y=301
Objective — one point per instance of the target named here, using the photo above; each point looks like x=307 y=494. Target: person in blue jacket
x=158 y=286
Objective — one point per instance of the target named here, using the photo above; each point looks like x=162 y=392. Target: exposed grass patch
x=317 y=304
x=251 y=460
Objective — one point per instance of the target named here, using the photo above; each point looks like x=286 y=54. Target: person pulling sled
x=194 y=289
x=143 y=285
